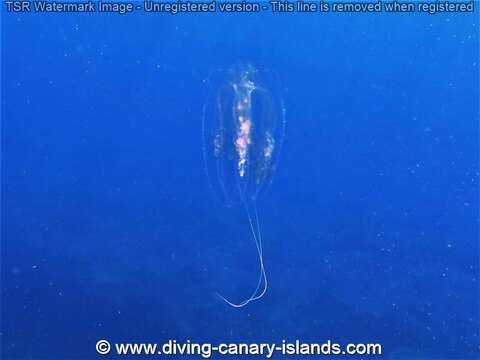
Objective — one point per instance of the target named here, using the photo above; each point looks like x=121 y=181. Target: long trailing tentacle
x=257 y=237
x=260 y=253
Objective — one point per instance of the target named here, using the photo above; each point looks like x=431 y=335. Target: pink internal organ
x=242 y=142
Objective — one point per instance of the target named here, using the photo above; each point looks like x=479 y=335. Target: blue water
x=370 y=226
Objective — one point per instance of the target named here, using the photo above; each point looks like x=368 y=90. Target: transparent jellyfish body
x=243 y=130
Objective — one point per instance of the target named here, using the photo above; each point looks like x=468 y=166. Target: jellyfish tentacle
x=260 y=250
x=257 y=237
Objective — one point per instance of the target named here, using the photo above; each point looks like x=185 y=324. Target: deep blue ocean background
x=110 y=230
